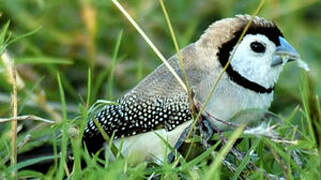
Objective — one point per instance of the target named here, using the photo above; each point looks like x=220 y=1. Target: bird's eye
x=257 y=47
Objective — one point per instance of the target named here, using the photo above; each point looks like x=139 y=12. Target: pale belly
x=148 y=146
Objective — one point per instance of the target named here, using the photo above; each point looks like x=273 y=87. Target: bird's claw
x=206 y=131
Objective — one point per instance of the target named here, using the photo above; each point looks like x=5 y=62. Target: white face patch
x=256 y=66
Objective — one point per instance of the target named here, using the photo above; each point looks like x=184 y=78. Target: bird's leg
x=180 y=141
x=239 y=155
x=205 y=126
x=206 y=131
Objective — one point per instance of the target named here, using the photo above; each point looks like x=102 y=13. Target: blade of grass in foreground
x=76 y=142
x=64 y=141
x=30 y=162
x=213 y=170
x=88 y=89
x=282 y=153
x=306 y=96
x=245 y=160
x=199 y=158
x=43 y=60
x=27 y=174
x=5 y=42
x=178 y=52
x=113 y=147
x=113 y=64
x=3 y=36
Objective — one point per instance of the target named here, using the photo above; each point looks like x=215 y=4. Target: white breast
x=230 y=98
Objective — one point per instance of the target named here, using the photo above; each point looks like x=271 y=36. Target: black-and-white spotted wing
x=133 y=116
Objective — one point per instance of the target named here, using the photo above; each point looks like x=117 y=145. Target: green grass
x=71 y=53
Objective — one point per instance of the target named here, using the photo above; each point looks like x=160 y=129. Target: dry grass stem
x=8 y=63
x=14 y=123
x=26 y=117
x=36 y=99
x=178 y=52
x=278 y=159
x=285 y=141
x=150 y=43
x=26 y=139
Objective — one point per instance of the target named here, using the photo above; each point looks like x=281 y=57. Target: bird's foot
x=206 y=132
x=180 y=141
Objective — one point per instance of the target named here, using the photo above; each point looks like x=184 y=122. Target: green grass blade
x=88 y=88
x=113 y=64
x=113 y=147
x=305 y=99
x=215 y=166
x=27 y=174
x=23 y=35
x=64 y=141
x=43 y=60
x=245 y=160
x=30 y=162
x=199 y=158
x=283 y=154
x=3 y=34
x=179 y=55
x=165 y=142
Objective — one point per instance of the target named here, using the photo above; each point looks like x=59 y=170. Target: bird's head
x=258 y=59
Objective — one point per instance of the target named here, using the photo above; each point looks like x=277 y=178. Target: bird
x=159 y=106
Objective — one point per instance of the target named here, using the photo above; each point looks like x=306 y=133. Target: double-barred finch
x=159 y=104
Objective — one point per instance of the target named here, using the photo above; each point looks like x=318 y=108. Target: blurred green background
x=76 y=35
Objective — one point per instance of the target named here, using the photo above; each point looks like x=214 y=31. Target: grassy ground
x=69 y=38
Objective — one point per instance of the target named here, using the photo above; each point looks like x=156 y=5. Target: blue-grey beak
x=284 y=52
